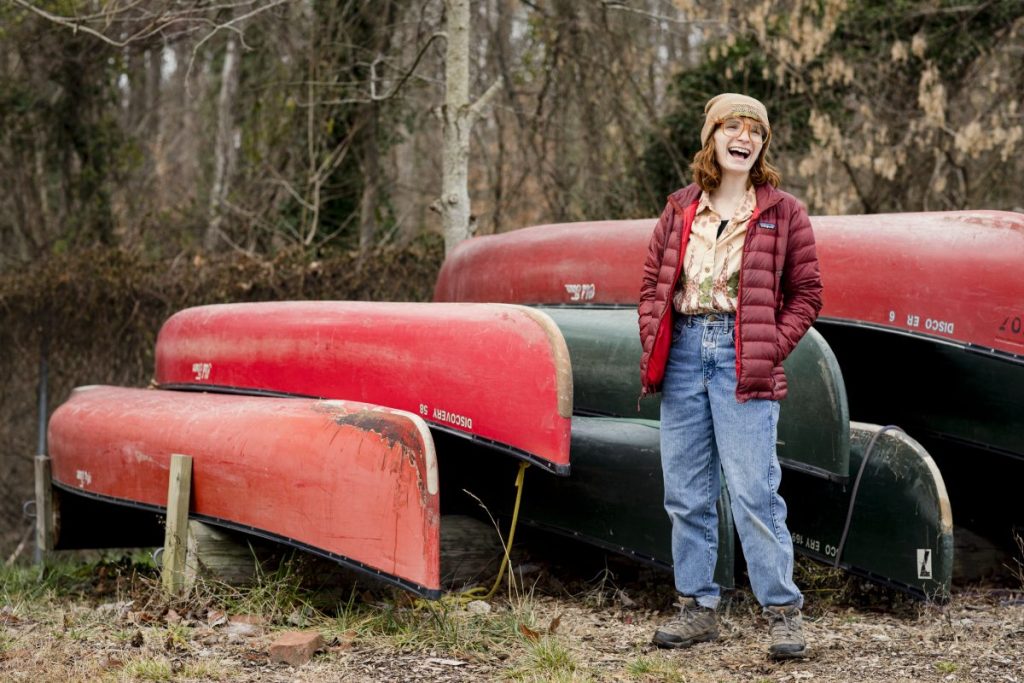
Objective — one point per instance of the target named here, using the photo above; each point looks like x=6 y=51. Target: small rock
x=478 y=607
x=296 y=647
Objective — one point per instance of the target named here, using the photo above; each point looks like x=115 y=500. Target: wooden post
x=44 y=507
x=179 y=487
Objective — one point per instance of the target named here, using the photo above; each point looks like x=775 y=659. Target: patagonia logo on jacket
x=765 y=225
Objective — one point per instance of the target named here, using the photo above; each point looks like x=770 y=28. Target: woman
x=730 y=286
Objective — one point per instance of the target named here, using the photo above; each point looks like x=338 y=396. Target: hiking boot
x=693 y=624
x=786 y=632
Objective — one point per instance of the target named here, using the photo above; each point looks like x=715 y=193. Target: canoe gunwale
x=939 y=596
x=787 y=463
x=562 y=470
x=819 y=472
x=960 y=441
x=969 y=347
x=597 y=543
x=355 y=565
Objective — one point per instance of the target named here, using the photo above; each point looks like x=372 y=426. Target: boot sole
x=779 y=656
x=664 y=641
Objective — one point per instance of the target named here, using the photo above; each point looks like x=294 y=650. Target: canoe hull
x=613 y=500
x=440 y=362
x=350 y=481
x=814 y=434
x=963 y=406
x=901 y=529
x=950 y=276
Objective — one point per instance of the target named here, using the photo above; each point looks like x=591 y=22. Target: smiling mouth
x=739 y=153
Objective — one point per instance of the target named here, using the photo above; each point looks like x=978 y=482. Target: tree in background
x=305 y=125
x=458 y=116
x=877 y=105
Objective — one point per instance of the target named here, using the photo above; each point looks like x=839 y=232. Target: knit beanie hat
x=728 y=104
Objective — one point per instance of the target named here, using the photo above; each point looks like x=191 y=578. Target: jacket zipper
x=739 y=298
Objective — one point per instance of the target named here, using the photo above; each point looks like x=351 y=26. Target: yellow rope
x=474 y=593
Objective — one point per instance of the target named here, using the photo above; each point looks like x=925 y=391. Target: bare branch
x=373 y=70
x=231 y=25
x=485 y=99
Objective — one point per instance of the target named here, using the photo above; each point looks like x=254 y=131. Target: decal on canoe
x=914 y=321
x=454 y=419
x=83 y=477
x=924 y=563
x=1012 y=329
x=202 y=371
x=581 y=292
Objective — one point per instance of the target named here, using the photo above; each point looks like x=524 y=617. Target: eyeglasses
x=733 y=127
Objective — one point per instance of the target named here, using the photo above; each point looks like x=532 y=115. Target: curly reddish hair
x=708 y=174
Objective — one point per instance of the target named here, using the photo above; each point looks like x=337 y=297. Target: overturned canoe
x=814 y=434
x=597 y=262
x=349 y=481
x=495 y=373
x=947 y=275
x=900 y=532
x=613 y=500
x=900 y=529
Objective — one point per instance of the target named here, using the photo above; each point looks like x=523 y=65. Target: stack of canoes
x=334 y=426
x=921 y=328
x=313 y=423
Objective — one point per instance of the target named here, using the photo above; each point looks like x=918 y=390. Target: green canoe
x=901 y=528
x=604 y=347
x=965 y=406
x=613 y=499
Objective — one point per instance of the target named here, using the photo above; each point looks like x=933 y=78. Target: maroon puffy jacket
x=779 y=290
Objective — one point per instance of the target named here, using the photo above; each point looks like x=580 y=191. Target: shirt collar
x=743 y=212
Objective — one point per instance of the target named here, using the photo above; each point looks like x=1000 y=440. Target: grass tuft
x=654 y=669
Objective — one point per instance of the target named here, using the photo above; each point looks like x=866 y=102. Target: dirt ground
x=108 y=622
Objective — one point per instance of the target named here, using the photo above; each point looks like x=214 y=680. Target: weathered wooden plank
x=179 y=486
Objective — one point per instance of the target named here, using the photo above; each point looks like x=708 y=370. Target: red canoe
x=350 y=481
x=495 y=373
x=946 y=275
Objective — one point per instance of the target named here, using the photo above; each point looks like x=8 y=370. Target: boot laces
x=783 y=625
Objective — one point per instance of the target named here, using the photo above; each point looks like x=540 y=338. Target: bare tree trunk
x=458 y=116
x=225 y=147
x=371 y=183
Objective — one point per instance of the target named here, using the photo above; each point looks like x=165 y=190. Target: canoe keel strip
x=351 y=481
x=495 y=373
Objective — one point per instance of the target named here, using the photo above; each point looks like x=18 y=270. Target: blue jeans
x=704 y=430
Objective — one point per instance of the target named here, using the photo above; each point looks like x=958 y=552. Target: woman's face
x=738 y=143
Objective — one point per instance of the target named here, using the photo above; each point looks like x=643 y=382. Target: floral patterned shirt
x=711 y=266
